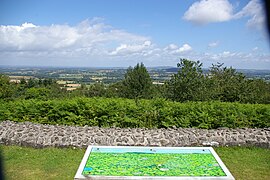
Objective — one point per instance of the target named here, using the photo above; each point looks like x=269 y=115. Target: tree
x=188 y=83
x=137 y=82
x=97 y=89
x=227 y=84
x=31 y=83
x=23 y=82
x=37 y=93
x=7 y=89
x=256 y=91
x=115 y=90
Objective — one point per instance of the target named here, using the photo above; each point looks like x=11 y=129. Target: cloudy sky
x=121 y=33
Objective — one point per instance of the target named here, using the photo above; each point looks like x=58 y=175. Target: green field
x=54 y=163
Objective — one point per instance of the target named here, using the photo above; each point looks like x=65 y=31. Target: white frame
x=79 y=175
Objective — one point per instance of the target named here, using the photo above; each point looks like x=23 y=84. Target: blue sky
x=102 y=33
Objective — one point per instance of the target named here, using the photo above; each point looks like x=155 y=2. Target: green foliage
x=6 y=88
x=255 y=91
x=188 y=83
x=227 y=84
x=220 y=84
x=137 y=82
x=94 y=90
x=37 y=93
x=117 y=112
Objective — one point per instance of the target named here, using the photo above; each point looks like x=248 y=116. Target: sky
x=122 y=33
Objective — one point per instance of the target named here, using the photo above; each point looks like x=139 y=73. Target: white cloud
x=209 y=11
x=235 y=59
x=127 y=49
x=93 y=43
x=171 y=47
x=254 y=9
x=238 y=59
x=86 y=36
x=213 y=44
x=255 y=49
x=25 y=25
x=212 y=11
x=184 y=48
x=175 y=49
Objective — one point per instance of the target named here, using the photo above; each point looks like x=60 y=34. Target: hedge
x=117 y=112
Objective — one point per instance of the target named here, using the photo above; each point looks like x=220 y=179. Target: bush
x=117 y=112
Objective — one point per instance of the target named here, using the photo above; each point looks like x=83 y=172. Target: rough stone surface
x=39 y=136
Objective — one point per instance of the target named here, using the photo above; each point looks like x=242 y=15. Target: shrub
x=117 y=112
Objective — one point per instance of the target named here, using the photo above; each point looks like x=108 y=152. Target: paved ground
x=38 y=136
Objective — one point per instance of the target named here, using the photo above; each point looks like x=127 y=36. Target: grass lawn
x=53 y=163
x=246 y=163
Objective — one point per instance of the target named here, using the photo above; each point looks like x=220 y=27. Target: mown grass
x=48 y=163
x=54 y=163
x=246 y=163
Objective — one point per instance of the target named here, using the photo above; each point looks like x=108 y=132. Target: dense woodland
x=221 y=98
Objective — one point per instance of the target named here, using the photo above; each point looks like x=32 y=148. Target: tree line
x=188 y=84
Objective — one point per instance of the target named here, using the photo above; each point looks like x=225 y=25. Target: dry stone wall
x=39 y=136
